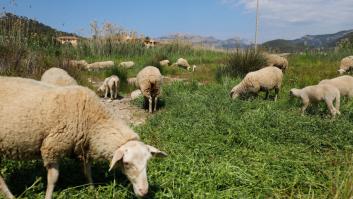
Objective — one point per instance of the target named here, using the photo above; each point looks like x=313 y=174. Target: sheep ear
x=156 y=152
x=118 y=155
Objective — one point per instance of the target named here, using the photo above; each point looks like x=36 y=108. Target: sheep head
x=341 y=71
x=134 y=156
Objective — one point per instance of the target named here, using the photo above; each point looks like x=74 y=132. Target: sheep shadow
x=160 y=104
x=24 y=174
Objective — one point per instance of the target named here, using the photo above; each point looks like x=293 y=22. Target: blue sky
x=219 y=18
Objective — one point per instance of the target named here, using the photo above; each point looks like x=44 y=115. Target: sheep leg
x=150 y=104
x=106 y=93
x=276 y=93
x=116 y=91
x=53 y=175
x=306 y=103
x=5 y=190
x=329 y=103
x=111 y=93
x=337 y=105
x=155 y=103
x=88 y=172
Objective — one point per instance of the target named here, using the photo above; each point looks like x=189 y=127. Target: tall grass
x=240 y=63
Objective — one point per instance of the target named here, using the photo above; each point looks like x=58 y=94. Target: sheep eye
x=126 y=164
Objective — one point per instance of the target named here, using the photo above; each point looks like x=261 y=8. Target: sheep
x=99 y=65
x=317 y=93
x=127 y=64
x=110 y=85
x=77 y=63
x=58 y=76
x=346 y=64
x=277 y=61
x=50 y=122
x=343 y=83
x=184 y=63
x=135 y=94
x=149 y=81
x=164 y=62
x=265 y=79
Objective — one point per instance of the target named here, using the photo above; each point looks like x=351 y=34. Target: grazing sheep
x=49 y=122
x=58 y=76
x=127 y=64
x=277 y=61
x=343 y=83
x=346 y=64
x=149 y=81
x=77 y=63
x=265 y=79
x=111 y=86
x=317 y=93
x=184 y=63
x=164 y=62
x=99 y=65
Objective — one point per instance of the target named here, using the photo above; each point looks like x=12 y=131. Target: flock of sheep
x=55 y=118
x=270 y=78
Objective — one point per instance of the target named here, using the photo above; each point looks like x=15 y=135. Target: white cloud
x=300 y=16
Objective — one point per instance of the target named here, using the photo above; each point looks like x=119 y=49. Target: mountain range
x=309 y=42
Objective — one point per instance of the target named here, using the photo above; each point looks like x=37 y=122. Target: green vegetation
x=240 y=63
x=218 y=148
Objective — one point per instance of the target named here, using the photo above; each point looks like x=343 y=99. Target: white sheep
x=49 y=122
x=58 y=76
x=100 y=65
x=343 y=83
x=111 y=86
x=317 y=93
x=164 y=62
x=265 y=79
x=346 y=64
x=135 y=94
x=127 y=64
x=77 y=63
x=149 y=81
x=277 y=61
x=184 y=63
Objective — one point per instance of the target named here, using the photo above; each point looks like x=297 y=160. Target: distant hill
x=308 y=42
x=210 y=42
x=10 y=23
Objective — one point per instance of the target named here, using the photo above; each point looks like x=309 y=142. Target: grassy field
x=219 y=148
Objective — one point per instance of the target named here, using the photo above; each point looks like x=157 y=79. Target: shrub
x=155 y=59
x=240 y=63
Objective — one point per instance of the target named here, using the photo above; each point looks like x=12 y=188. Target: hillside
x=307 y=42
x=210 y=41
x=12 y=24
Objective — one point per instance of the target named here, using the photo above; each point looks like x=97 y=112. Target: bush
x=155 y=59
x=240 y=63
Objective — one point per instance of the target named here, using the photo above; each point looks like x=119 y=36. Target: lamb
x=184 y=63
x=317 y=93
x=265 y=79
x=346 y=64
x=110 y=85
x=343 y=83
x=127 y=64
x=50 y=122
x=149 y=81
x=277 y=61
x=58 y=77
x=99 y=65
x=164 y=62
